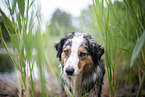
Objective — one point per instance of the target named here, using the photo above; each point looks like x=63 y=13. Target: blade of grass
x=137 y=48
x=98 y=18
x=8 y=22
x=13 y=7
x=13 y=39
x=3 y=51
x=110 y=6
x=69 y=91
x=141 y=85
x=8 y=52
x=21 y=6
x=19 y=22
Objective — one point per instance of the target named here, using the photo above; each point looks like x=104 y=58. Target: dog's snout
x=69 y=71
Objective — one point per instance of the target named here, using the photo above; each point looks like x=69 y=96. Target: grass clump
x=29 y=46
x=121 y=24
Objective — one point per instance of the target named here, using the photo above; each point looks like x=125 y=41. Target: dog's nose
x=69 y=71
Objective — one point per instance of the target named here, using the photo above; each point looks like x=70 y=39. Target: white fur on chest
x=76 y=83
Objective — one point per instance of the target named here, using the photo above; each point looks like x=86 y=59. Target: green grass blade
x=8 y=22
x=3 y=51
x=141 y=85
x=130 y=78
x=21 y=5
x=13 y=39
x=110 y=5
x=69 y=91
x=31 y=4
x=13 y=7
x=19 y=21
x=124 y=50
x=137 y=48
x=98 y=18
x=8 y=52
x=91 y=90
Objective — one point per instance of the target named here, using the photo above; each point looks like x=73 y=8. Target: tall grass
x=29 y=45
x=22 y=41
x=120 y=27
x=110 y=39
x=119 y=21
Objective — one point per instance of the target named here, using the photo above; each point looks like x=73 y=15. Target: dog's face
x=78 y=53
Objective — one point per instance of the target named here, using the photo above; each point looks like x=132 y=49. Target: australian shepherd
x=82 y=67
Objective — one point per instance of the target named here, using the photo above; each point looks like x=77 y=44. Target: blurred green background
x=28 y=51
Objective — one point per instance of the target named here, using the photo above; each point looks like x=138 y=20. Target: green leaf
x=137 y=48
x=8 y=22
x=98 y=18
x=19 y=22
x=31 y=3
x=13 y=39
x=8 y=52
x=69 y=91
x=141 y=85
x=13 y=7
x=21 y=5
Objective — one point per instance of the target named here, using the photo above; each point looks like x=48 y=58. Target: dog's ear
x=98 y=50
x=95 y=50
x=59 y=47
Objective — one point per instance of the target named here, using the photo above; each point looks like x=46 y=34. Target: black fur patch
x=59 y=45
x=95 y=50
x=99 y=79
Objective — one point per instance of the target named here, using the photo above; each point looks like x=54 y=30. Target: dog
x=81 y=64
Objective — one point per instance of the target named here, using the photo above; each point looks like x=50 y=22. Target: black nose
x=69 y=71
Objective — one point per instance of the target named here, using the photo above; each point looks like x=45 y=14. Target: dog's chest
x=77 y=89
x=74 y=86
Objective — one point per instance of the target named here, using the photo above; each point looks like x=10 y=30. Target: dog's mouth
x=70 y=76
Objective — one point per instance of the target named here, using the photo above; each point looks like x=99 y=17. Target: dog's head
x=78 y=53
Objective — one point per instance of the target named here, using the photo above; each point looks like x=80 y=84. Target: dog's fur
x=81 y=65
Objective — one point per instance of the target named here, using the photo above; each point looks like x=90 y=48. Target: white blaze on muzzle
x=73 y=60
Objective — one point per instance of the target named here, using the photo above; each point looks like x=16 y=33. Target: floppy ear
x=100 y=51
x=58 y=46
x=95 y=50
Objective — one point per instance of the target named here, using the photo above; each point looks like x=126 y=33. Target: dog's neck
x=76 y=85
x=80 y=85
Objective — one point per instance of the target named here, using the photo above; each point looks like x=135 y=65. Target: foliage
x=29 y=46
x=4 y=31
x=120 y=25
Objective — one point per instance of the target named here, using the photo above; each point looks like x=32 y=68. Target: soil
x=8 y=89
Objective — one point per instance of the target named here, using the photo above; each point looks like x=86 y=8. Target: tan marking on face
x=63 y=56
x=85 y=63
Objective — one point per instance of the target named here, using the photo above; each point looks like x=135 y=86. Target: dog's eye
x=82 y=55
x=66 y=52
